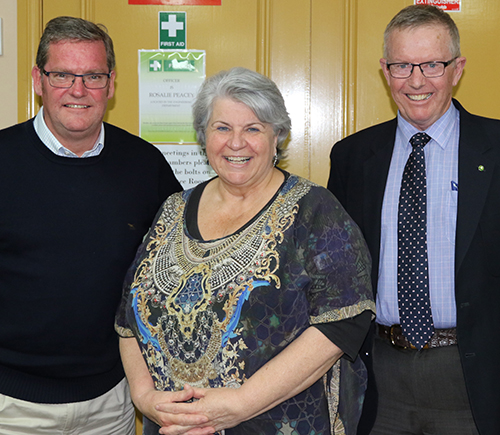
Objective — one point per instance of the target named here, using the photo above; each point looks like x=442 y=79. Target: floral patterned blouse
x=211 y=313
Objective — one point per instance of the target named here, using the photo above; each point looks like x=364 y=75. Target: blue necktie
x=413 y=275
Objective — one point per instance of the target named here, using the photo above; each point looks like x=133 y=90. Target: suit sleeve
x=335 y=184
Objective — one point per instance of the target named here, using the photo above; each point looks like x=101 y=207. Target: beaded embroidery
x=182 y=279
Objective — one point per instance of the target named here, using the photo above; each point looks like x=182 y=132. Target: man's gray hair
x=75 y=30
x=254 y=90
x=415 y=16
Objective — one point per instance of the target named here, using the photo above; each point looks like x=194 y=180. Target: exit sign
x=445 y=5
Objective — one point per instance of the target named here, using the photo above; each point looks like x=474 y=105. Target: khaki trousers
x=109 y=414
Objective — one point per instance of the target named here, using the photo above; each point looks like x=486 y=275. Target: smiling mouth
x=77 y=106
x=419 y=97
x=239 y=160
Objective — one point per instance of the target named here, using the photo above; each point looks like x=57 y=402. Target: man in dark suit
x=432 y=370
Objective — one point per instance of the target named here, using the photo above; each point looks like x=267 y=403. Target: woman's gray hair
x=254 y=90
x=75 y=30
x=415 y=16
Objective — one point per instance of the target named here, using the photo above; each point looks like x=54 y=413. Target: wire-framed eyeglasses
x=59 y=79
x=430 y=70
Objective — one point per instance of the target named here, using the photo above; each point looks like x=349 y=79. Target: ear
x=36 y=74
x=111 y=85
x=459 y=69
x=385 y=70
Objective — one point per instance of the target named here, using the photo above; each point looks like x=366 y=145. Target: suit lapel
x=474 y=180
x=375 y=171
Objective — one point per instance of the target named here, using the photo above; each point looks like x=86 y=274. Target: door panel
x=55 y=8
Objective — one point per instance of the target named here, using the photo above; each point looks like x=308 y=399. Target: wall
x=8 y=63
x=300 y=44
x=323 y=54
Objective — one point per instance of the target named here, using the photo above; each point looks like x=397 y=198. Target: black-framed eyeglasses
x=58 y=79
x=430 y=70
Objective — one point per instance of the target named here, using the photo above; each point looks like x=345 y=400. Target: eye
x=222 y=128
x=60 y=75
x=402 y=66
x=431 y=65
x=253 y=129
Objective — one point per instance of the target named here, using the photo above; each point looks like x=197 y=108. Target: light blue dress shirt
x=441 y=159
x=50 y=141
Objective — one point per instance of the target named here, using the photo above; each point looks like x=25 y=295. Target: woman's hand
x=223 y=407
x=150 y=402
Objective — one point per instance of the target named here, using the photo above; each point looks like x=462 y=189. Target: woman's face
x=240 y=148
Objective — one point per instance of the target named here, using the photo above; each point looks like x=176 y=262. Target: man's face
x=74 y=115
x=422 y=101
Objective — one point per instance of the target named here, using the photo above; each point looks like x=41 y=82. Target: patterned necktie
x=413 y=277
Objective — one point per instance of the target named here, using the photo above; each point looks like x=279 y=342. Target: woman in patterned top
x=250 y=296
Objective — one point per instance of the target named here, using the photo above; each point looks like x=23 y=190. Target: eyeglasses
x=65 y=80
x=430 y=70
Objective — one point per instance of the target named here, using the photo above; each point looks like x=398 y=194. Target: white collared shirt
x=50 y=141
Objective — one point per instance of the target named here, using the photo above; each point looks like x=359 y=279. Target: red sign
x=445 y=5
x=175 y=2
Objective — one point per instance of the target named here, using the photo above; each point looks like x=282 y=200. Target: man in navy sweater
x=76 y=197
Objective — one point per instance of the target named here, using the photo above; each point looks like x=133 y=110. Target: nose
x=417 y=79
x=237 y=140
x=78 y=87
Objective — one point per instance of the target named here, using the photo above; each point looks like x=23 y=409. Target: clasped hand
x=210 y=411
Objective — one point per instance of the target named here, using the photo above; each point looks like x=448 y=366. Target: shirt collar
x=440 y=131
x=50 y=141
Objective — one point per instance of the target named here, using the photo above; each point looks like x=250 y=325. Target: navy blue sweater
x=69 y=229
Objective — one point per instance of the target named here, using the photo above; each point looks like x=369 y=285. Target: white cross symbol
x=155 y=65
x=172 y=26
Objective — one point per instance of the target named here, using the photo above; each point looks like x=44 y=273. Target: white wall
x=8 y=63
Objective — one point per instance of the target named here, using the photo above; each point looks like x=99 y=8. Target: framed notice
x=168 y=83
x=175 y=2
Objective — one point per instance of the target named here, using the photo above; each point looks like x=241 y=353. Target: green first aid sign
x=172 y=30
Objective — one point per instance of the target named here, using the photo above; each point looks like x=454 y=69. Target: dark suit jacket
x=359 y=168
